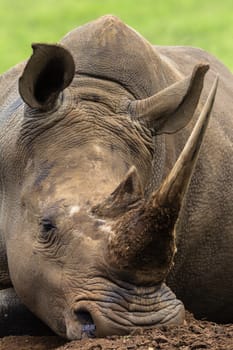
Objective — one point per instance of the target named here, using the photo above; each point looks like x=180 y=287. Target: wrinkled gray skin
x=64 y=151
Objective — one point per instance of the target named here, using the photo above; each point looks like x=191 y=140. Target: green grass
x=202 y=23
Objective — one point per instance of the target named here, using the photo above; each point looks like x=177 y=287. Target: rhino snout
x=120 y=314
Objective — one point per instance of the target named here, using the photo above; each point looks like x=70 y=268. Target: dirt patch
x=193 y=335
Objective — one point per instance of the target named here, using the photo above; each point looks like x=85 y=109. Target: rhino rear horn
x=127 y=194
x=49 y=71
x=171 y=109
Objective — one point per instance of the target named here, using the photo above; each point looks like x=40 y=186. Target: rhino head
x=93 y=238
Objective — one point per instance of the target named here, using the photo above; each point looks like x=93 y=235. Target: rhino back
x=109 y=49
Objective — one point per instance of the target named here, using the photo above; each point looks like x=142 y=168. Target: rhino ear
x=172 y=108
x=48 y=72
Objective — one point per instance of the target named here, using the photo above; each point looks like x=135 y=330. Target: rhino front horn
x=176 y=183
x=143 y=239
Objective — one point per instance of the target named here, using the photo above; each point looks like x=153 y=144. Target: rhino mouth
x=119 y=312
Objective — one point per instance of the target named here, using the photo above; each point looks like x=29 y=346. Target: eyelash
x=47 y=225
x=50 y=241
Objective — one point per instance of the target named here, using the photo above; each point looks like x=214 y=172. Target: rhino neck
x=109 y=49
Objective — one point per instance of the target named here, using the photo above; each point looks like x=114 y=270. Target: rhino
x=115 y=198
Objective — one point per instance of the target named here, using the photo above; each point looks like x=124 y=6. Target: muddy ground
x=191 y=336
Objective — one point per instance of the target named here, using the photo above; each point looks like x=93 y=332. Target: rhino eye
x=47 y=225
x=47 y=235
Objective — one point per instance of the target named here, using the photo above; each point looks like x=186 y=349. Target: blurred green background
x=203 y=23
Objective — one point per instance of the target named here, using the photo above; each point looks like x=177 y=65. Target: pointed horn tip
x=134 y=176
x=132 y=170
x=216 y=81
x=213 y=90
x=201 y=69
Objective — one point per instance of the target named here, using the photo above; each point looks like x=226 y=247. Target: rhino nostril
x=85 y=319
